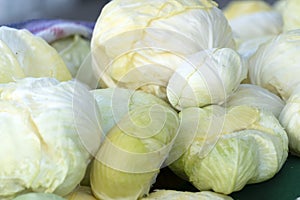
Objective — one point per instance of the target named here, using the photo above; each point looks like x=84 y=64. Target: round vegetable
x=49 y=130
x=275 y=66
x=290 y=119
x=231 y=147
x=208 y=77
x=135 y=147
x=137 y=44
x=34 y=55
x=73 y=50
x=290 y=11
x=236 y=9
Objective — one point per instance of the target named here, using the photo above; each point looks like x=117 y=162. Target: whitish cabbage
x=135 y=148
x=10 y=69
x=35 y=57
x=275 y=65
x=257 y=24
x=81 y=193
x=290 y=119
x=252 y=19
x=138 y=44
x=207 y=77
x=279 y=5
x=73 y=50
x=236 y=9
x=177 y=195
x=248 y=47
x=291 y=14
x=231 y=147
x=49 y=130
x=38 y=196
x=253 y=95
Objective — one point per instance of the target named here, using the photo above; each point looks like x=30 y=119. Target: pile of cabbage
x=212 y=94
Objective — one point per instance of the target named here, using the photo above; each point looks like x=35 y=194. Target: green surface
x=284 y=186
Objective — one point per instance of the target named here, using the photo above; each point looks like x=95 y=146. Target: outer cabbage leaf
x=208 y=77
x=231 y=148
x=38 y=196
x=247 y=48
x=253 y=95
x=275 y=67
x=73 y=50
x=177 y=195
x=115 y=103
x=257 y=24
x=279 y=6
x=291 y=14
x=236 y=9
x=290 y=119
x=10 y=69
x=35 y=56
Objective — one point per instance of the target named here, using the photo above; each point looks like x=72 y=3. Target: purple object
x=51 y=30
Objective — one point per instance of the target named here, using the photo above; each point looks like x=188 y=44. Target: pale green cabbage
x=114 y=103
x=253 y=95
x=231 y=148
x=290 y=119
x=136 y=146
x=177 y=195
x=258 y=24
x=49 y=130
x=74 y=51
x=10 y=69
x=207 y=77
x=291 y=14
x=275 y=65
x=138 y=44
x=35 y=57
x=235 y=9
x=279 y=6
x=38 y=196
x=252 y=19
x=248 y=47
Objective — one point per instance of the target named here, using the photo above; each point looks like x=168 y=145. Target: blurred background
x=12 y=11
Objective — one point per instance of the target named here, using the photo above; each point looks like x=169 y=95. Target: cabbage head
x=207 y=77
x=291 y=14
x=235 y=9
x=74 y=51
x=138 y=140
x=290 y=120
x=275 y=65
x=48 y=132
x=231 y=148
x=137 y=44
x=26 y=55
